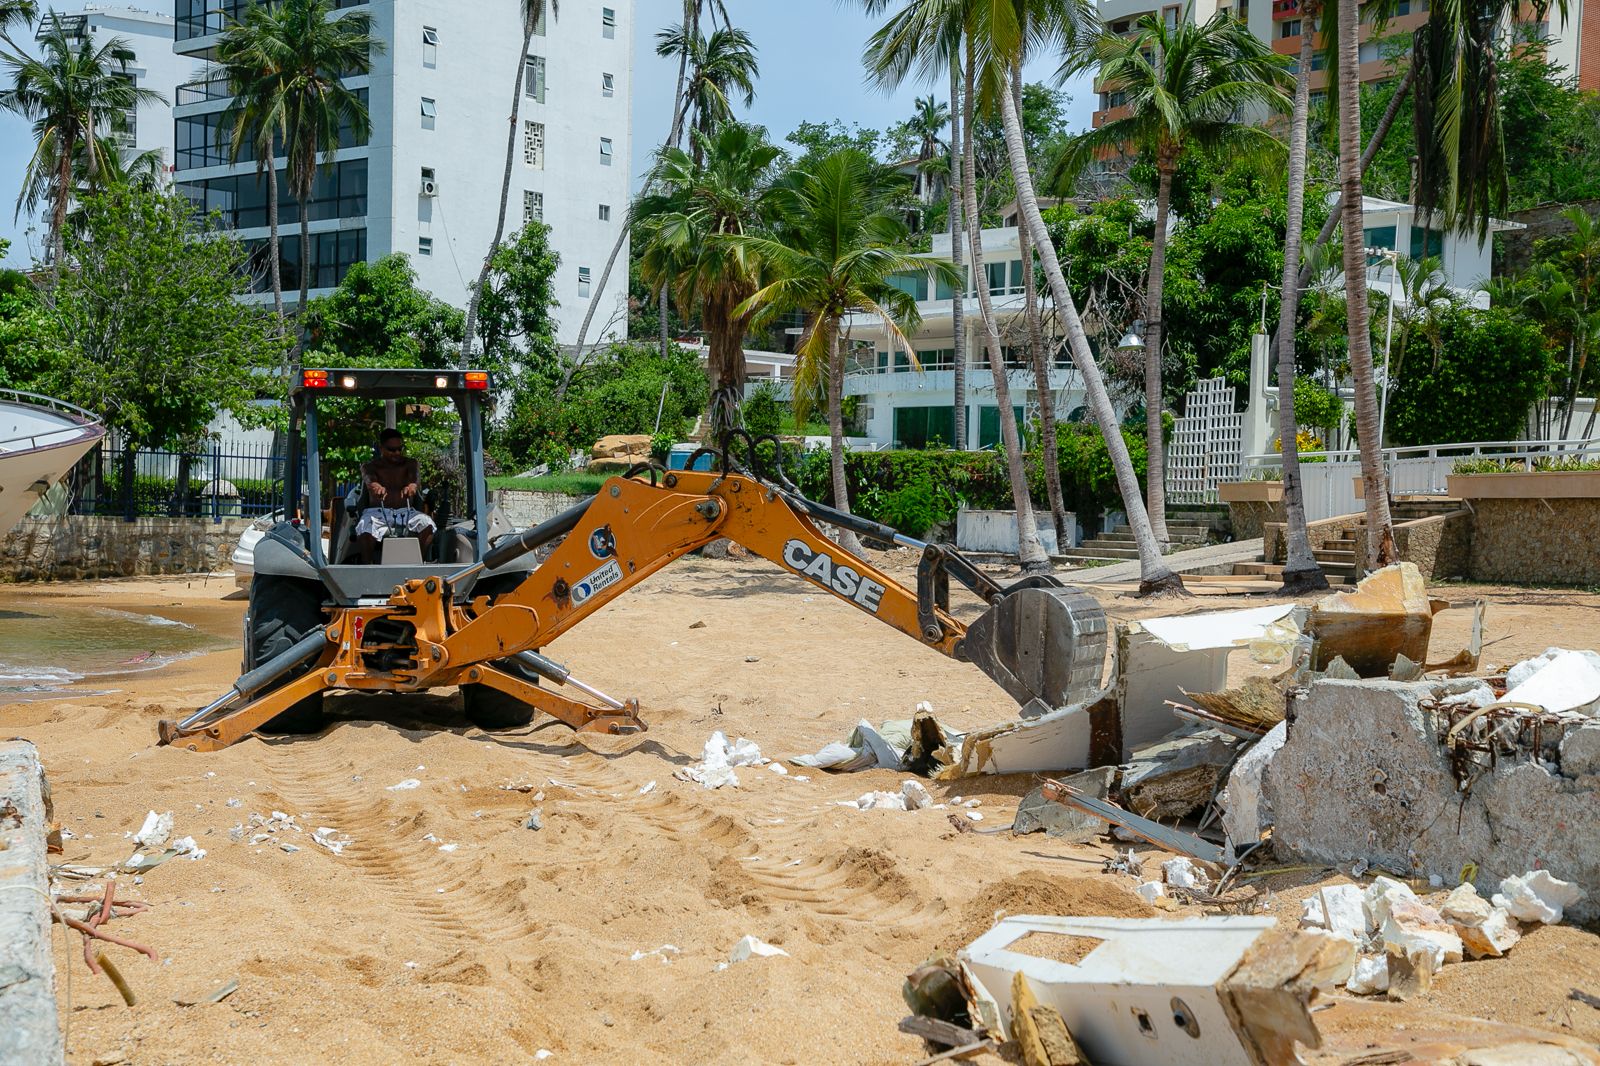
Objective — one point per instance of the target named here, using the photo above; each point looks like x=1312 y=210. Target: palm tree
x=721 y=68
x=21 y=13
x=723 y=188
x=254 y=119
x=74 y=94
x=1380 y=531
x=290 y=58
x=833 y=254
x=1005 y=32
x=533 y=14
x=1301 y=571
x=959 y=176
x=691 y=29
x=1190 y=89
x=926 y=125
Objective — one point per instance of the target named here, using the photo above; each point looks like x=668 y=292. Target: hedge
x=914 y=491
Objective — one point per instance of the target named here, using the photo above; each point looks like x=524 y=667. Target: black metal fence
x=215 y=482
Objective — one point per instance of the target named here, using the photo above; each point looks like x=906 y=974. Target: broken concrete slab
x=1537 y=897
x=1387 y=615
x=29 y=1028
x=1038 y=814
x=1245 y=813
x=1364 y=778
x=1580 y=751
x=1178 y=775
x=1486 y=931
x=1159 y=992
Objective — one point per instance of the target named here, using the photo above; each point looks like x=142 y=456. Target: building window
x=605 y=212
x=1169 y=15
x=1433 y=249
x=1289 y=28
x=608 y=23
x=605 y=151
x=538 y=19
x=532 y=207
x=424 y=245
x=339 y=192
x=430 y=46
x=608 y=85
x=533 y=144
x=1369 y=52
x=332 y=255
x=430 y=113
x=533 y=81
x=583 y=282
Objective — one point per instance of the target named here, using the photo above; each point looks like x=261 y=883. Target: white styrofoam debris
x=155 y=831
x=1371 y=974
x=405 y=786
x=542 y=1054
x=1151 y=891
x=916 y=796
x=187 y=846
x=718 y=759
x=325 y=836
x=750 y=947
x=1537 y=897
x=661 y=952
x=1558 y=680
x=1338 y=909
x=1479 y=695
x=976 y=816
x=911 y=797
x=1243 y=818
x=1182 y=873
x=647 y=788
x=778 y=768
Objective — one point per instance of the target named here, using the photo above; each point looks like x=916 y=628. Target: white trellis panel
x=1207 y=444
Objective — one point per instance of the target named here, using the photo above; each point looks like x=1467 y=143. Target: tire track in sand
x=858 y=885
x=386 y=849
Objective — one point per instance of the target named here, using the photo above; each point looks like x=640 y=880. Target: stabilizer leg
x=236 y=725
x=578 y=716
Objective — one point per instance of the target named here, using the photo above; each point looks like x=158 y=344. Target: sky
x=810 y=55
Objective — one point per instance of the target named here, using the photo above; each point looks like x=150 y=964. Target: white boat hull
x=39 y=446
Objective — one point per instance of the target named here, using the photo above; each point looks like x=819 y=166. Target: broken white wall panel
x=1150 y=994
x=1364 y=777
x=29 y=1028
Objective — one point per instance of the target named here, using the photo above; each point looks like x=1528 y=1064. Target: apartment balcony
x=198 y=24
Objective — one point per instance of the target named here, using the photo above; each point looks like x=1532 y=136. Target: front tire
x=490 y=709
x=283 y=610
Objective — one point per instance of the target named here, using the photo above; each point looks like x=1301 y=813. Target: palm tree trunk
x=1154 y=439
x=678 y=110
x=58 y=213
x=305 y=253
x=1301 y=571
x=1040 y=357
x=1380 y=534
x=1379 y=133
x=841 y=487
x=273 y=244
x=1030 y=552
x=588 y=316
x=530 y=16
x=958 y=304
x=1155 y=575
x=661 y=315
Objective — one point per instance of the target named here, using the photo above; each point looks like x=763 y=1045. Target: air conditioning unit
x=430 y=187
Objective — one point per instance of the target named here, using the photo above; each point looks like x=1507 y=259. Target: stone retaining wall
x=1250 y=518
x=524 y=509
x=1440 y=546
x=78 y=547
x=1538 y=542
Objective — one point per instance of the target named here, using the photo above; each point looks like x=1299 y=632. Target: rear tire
x=283 y=610
x=490 y=709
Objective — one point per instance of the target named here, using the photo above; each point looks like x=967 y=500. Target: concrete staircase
x=1119 y=544
x=1338 y=557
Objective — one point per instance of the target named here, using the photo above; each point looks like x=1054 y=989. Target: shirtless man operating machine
x=391 y=487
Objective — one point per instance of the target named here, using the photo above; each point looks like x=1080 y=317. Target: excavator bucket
x=1041 y=643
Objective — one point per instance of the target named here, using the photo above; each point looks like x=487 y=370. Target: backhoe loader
x=478 y=612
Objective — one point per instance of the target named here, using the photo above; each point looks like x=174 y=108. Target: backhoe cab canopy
x=385 y=383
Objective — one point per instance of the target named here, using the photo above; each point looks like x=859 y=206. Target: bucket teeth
x=1047 y=644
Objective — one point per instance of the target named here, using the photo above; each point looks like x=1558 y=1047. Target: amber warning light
x=477 y=379
x=314 y=379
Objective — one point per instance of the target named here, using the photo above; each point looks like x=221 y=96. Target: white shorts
x=380 y=522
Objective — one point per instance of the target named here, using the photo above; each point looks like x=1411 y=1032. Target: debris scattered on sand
x=664 y=953
x=911 y=797
x=404 y=786
x=534 y=820
x=330 y=838
x=718 y=760
x=155 y=831
x=750 y=947
x=1537 y=897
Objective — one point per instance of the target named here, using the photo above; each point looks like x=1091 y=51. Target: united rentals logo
x=840 y=578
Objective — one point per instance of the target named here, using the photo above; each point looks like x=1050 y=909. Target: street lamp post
x=1392 y=257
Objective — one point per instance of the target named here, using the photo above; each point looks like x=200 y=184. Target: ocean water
x=48 y=649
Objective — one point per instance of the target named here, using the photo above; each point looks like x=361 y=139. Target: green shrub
x=763 y=412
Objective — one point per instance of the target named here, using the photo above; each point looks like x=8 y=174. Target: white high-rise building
x=427 y=182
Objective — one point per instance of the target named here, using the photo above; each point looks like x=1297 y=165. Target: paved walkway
x=1239 y=551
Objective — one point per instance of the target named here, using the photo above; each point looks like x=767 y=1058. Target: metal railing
x=49 y=437
x=1328 y=478
x=198 y=92
x=207 y=482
